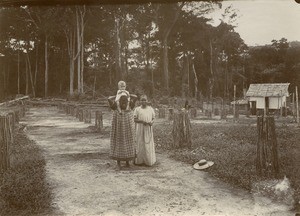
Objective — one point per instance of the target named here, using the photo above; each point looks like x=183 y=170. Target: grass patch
x=23 y=188
x=232 y=146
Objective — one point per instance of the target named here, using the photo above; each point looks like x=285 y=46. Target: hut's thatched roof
x=268 y=90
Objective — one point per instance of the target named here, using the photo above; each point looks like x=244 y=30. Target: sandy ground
x=85 y=180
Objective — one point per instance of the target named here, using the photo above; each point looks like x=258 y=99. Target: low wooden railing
x=9 y=117
x=84 y=112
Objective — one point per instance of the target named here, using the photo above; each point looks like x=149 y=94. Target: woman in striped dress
x=122 y=136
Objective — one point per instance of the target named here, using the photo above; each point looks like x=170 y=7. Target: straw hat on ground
x=203 y=164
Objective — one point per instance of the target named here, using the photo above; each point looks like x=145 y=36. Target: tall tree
x=167 y=16
x=45 y=21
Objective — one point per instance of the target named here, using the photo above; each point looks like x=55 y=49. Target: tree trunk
x=166 y=62
x=18 y=71
x=188 y=73
x=30 y=74
x=126 y=59
x=4 y=82
x=147 y=54
x=165 y=46
x=94 y=87
x=71 y=43
x=80 y=13
x=152 y=75
x=46 y=66
x=7 y=78
x=82 y=66
x=71 y=76
x=73 y=58
x=71 y=51
x=109 y=67
x=82 y=25
x=195 y=80
x=26 y=77
x=61 y=80
x=119 y=74
x=78 y=50
x=36 y=65
x=211 y=79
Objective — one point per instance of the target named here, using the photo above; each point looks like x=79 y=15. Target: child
x=122 y=91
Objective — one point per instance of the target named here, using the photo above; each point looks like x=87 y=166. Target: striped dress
x=122 y=136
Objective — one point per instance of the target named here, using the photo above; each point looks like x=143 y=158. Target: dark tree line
x=159 y=49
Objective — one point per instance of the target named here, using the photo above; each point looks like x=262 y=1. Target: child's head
x=121 y=85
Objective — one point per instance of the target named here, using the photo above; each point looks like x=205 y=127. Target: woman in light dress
x=144 y=116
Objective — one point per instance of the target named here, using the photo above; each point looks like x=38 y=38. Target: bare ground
x=85 y=180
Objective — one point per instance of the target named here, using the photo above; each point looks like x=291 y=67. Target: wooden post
x=12 y=119
x=247 y=111
x=21 y=112
x=293 y=102
x=84 y=115
x=216 y=111
x=77 y=112
x=72 y=111
x=297 y=106
x=193 y=113
x=171 y=113
x=80 y=114
x=161 y=113
x=99 y=120
x=280 y=103
x=259 y=147
x=237 y=114
x=212 y=108
x=6 y=138
x=181 y=130
x=87 y=116
x=274 y=149
x=267 y=162
x=65 y=108
x=223 y=113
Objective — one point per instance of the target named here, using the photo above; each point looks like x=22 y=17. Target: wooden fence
x=84 y=113
x=9 y=117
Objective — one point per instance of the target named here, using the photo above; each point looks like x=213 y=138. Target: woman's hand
x=139 y=121
x=143 y=122
x=149 y=123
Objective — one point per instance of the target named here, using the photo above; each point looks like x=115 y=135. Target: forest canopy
x=158 y=49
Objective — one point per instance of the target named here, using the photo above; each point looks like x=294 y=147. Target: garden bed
x=23 y=188
x=232 y=146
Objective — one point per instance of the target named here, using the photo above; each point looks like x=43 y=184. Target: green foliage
x=23 y=189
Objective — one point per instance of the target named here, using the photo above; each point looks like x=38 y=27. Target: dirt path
x=85 y=180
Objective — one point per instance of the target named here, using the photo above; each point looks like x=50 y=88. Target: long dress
x=122 y=136
x=145 y=149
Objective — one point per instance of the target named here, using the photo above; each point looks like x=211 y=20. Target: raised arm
x=112 y=103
